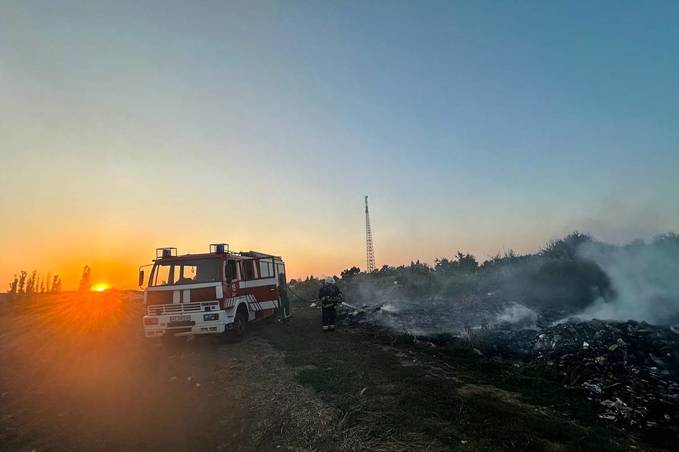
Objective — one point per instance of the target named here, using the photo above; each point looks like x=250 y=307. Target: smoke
x=419 y=308
x=644 y=278
x=574 y=277
x=517 y=315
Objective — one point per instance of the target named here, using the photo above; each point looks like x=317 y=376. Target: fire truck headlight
x=150 y=321
x=208 y=317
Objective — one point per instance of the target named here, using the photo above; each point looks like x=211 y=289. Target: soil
x=74 y=380
x=77 y=374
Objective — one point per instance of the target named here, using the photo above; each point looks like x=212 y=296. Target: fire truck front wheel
x=239 y=325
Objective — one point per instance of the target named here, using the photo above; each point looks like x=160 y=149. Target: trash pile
x=630 y=368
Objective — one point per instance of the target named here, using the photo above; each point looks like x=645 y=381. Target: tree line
x=562 y=276
x=33 y=282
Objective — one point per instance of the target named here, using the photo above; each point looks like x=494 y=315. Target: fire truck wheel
x=239 y=325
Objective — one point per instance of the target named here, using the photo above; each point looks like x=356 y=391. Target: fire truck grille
x=156 y=298
x=173 y=308
x=203 y=294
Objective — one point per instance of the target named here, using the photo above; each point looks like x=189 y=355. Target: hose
x=298 y=297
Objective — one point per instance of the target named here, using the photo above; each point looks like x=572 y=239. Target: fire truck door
x=231 y=277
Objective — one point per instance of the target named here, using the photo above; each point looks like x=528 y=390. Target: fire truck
x=217 y=292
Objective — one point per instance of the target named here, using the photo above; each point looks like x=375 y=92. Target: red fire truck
x=211 y=293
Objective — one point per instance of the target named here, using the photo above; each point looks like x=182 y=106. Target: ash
x=542 y=309
x=629 y=369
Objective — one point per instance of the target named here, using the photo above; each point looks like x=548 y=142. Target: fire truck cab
x=210 y=293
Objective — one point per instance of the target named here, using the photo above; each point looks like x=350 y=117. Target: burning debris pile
x=436 y=315
x=514 y=306
x=630 y=368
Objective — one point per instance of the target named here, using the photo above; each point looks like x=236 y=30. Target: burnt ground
x=77 y=374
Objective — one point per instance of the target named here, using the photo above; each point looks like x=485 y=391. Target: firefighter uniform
x=284 y=309
x=329 y=296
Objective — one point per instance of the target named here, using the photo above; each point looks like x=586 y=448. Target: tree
x=441 y=264
x=30 y=282
x=462 y=262
x=85 y=280
x=506 y=258
x=350 y=272
x=419 y=267
x=466 y=262
x=22 y=281
x=13 y=285
x=567 y=247
x=56 y=284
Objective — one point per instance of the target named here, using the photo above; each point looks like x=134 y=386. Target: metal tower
x=369 y=251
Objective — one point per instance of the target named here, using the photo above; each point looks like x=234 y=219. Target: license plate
x=179 y=318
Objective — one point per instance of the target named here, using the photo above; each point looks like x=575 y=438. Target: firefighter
x=329 y=296
x=283 y=297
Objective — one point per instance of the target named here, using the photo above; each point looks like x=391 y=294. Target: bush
x=566 y=284
x=564 y=277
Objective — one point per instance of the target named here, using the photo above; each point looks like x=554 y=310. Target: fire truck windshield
x=185 y=272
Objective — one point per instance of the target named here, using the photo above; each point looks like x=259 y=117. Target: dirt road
x=78 y=375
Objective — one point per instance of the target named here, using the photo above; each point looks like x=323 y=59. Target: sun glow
x=100 y=287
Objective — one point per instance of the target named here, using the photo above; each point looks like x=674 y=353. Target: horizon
x=472 y=126
x=100 y=284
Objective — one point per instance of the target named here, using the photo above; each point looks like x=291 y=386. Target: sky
x=472 y=125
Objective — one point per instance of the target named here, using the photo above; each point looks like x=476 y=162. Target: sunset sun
x=100 y=287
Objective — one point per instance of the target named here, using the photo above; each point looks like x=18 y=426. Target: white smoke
x=391 y=308
x=645 y=278
x=517 y=315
